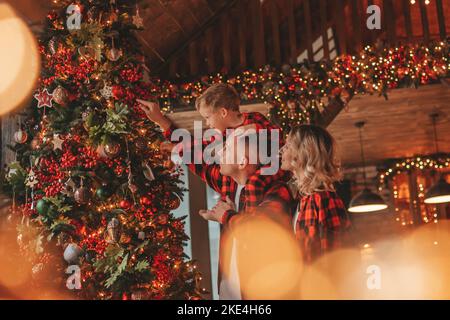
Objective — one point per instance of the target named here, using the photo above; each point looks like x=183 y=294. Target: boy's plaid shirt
x=254 y=191
x=322 y=223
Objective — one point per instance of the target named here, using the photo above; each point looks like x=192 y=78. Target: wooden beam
x=389 y=16
x=207 y=6
x=275 y=23
x=292 y=32
x=181 y=48
x=259 y=50
x=407 y=16
x=193 y=58
x=340 y=26
x=173 y=66
x=168 y=10
x=210 y=50
x=242 y=27
x=308 y=29
x=199 y=230
x=441 y=19
x=356 y=17
x=324 y=28
x=226 y=41
x=425 y=25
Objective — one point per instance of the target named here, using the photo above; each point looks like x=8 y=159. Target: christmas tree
x=90 y=185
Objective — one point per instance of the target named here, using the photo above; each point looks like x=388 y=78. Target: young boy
x=219 y=106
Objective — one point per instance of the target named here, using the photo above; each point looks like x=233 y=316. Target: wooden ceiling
x=185 y=38
x=398 y=127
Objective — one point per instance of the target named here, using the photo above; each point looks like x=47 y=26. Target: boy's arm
x=153 y=112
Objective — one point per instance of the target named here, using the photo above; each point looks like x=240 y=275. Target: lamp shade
x=366 y=201
x=438 y=193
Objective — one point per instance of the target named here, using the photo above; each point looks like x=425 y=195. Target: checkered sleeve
x=275 y=201
x=322 y=223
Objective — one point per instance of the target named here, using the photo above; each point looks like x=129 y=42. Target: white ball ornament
x=72 y=253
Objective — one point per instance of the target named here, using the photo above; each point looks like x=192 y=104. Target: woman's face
x=287 y=155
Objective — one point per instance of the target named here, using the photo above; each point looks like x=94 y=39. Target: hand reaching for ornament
x=217 y=212
x=153 y=113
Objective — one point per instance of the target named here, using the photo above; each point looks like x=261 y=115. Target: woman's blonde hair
x=315 y=165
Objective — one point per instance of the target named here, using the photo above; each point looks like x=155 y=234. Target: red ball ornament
x=20 y=136
x=145 y=201
x=118 y=92
x=125 y=204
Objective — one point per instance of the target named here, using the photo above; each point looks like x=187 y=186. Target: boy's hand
x=151 y=109
x=154 y=113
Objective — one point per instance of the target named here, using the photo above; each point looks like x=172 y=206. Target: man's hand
x=153 y=112
x=210 y=215
x=218 y=211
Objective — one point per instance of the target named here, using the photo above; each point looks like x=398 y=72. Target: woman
x=321 y=220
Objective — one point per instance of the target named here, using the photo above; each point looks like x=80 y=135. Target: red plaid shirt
x=226 y=186
x=322 y=223
x=259 y=191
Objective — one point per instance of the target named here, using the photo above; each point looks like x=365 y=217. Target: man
x=253 y=194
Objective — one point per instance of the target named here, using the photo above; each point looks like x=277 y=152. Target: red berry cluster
x=131 y=73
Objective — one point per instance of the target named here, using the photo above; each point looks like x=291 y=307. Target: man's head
x=239 y=157
x=217 y=105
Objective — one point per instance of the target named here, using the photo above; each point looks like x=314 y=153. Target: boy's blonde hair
x=315 y=165
x=219 y=95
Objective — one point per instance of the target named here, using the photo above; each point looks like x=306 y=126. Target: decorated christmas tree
x=90 y=185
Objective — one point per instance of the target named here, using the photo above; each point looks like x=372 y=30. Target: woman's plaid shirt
x=322 y=223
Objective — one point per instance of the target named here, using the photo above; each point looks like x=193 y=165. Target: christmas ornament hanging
x=31 y=180
x=112 y=149
x=174 y=203
x=60 y=96
x=101 y=151
x=106 y=91
x=103 y=193
x=69 y=187
x=148 y=172
x=20 y=136
x=44 y=99
x=114 y=54
x=141 y=235
x=137 y=19
x=125 y=204
x=82 y=195
x=72 y=253
x=52 y=45
x=86 y=52
x=42 y=207
x=57 y=142
x=113 y=231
